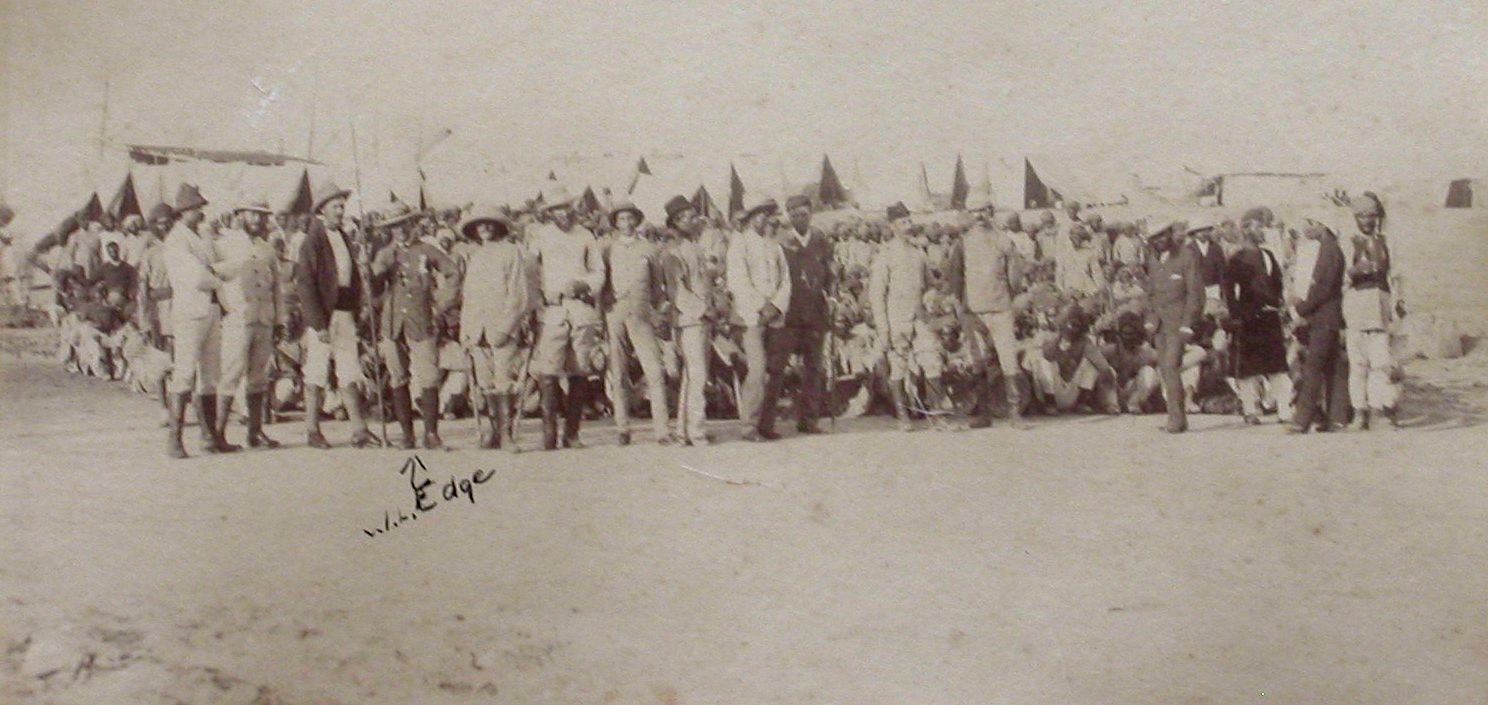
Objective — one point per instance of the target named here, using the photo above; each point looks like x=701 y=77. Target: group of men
x=540 y=295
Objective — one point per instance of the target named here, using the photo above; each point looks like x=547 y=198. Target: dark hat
x=188 y=197
x=327 y=192
x=623 y=207
x=675 y=206
x=797 y=201
x=161 y=210
x=484 y=214
x=897 y=211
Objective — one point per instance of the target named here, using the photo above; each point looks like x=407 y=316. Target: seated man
x=1072 y=373
x=1138 y=389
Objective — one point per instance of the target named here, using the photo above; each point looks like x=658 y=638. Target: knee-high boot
x=901 y=412
x=403 y=410
x=573 y=411
x=429 y=410
x=548 y=386
x=206 y=416
x=256 y=436
x=175 y=420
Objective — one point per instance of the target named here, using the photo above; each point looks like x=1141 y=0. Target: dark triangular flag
x=736 y=192
x=829 y=191
x=300 y=200
x=125 y=201
x=702 y=202
x=1037 y=194
x=552 y=176
x=589 y=202
x=959 y=186
x=92 y=210
x=393 y=197
x=642 y=167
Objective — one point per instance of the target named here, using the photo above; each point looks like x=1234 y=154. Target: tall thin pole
x=103 y=120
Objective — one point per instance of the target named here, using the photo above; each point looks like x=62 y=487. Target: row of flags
x=829 y=192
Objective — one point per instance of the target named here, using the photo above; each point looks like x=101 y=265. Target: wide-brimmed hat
x=674 y=207
x=398 y=215
x=797 y=201
x=484 y=214
x=626 y=206
x=326 y=193
x=756 y=206
x=1200 y=223
x=257 y=206
x=896 y=211
x=189 y=197
x=161 y=210
x=1160 y=227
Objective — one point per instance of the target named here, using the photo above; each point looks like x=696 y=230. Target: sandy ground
x=1090 y=560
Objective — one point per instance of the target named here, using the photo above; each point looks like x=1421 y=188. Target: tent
x=1460 y=194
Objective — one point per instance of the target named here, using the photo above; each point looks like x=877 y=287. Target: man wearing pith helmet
x=249 y=268
x=495 y=303
x=635 y=299
x=759 y=279
x=196 y=317
x=410 y=271
x=571 y=273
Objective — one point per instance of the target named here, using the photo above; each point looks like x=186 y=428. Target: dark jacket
x=315 y=277
x=811 y=278
x=1211 y=264
x=1175 y=291
x=1323 y=307
x=408 y=278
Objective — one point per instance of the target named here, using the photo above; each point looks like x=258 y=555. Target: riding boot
x=573 y=411
x=983 y=418
x=313 y=437
x=510 y=415
x=206 y=415
x=361 y=436
x=496 y=419
x=176 y=418
x=901 y=412
x=429 y=410
x=548 y=387
x=1015 y=395
x=256 y=436
x=403 y=410
x=224 y=414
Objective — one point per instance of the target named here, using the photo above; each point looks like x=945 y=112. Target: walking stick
x=511 y=421
x=473 y=393
x=831 y=378
x=370 y=311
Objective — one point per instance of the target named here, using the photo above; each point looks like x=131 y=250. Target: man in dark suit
x=1175 y=295
x=808 y=253
x=328 y=278
x=1322 y=311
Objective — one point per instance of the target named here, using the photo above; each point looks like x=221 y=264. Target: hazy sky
x=1372 y=86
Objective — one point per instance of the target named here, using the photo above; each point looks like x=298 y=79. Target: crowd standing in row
x=434 y=313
